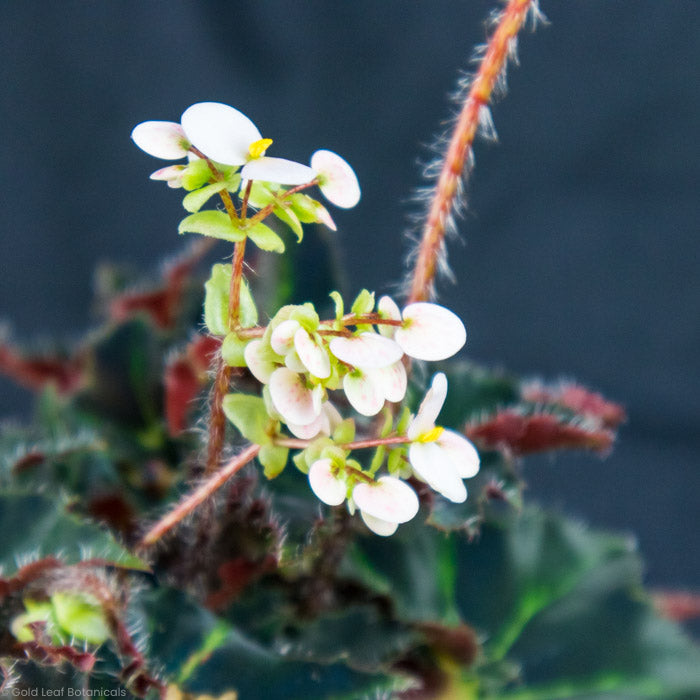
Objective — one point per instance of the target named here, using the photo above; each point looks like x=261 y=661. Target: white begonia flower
x=327 y=486
x=324 y=424
x=385 y=504
x=337 y=180
x=440 y=457
x=366 y=351
x=430 y=332
x=260 y=366
x=391 y=381
x=312 y=355
x=295 y=402
x=164 y=140
x=171 y=174
x=227 y=136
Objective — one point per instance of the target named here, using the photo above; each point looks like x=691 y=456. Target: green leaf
x=80 y=617
x=216 y=299
x=194 y=201
x=304 y=207
x=36 y=611
x=307 y=316
x=339 y=305
x=212 y=223
x=265 y=238
x=196 y=174
x=273 y=459
x=208 y=656
x=40 y=526
x=249 y=415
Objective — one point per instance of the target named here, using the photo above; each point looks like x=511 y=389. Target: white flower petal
x=339 y=183
x=388 y=499
x=327 y=487
x=170 y=173
x=221 y=132
x=379 y=526
x=294 y=363
x=333 y=416
x=431 y=332
x=323 y=216
x=282 y=338
x=307 y=432
x=367 y=350
x=391 y=381
x=313 y=357
x=387 y=308
x=435 y=467
x=260 y=367
x=461 y=452
x=363 y=393
x=317 y=398
x=291 y=398
x=279 y=170
x=164 y=140
x=430 y=407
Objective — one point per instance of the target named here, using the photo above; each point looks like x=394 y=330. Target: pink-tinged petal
x=164 y=140
x=317 y=396
x=332 y=415
x=310 y=431
x=378 y=526
x=278 y=170
x=260 y=367
x=313 y=357
x=327 y=487
x=391 y=381
x=387 y=308
x=170 y=173
x=363 y=393
x=338 y=181
x=434 y=466
x=282 y=338
x=366 y=351
x=430 y=332
x=461 y=452
x=430 y=407
x=221 y=132
x=293 y=362
x=291 y=398
x=323 y=216
x=388 y=499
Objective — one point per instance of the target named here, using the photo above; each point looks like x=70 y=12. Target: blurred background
x=580 y=254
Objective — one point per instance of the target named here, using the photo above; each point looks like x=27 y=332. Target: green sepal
x=287 y=216
x=377 y=459
x=248 y=312
x=300 y=462
x=345 y=431
x=212 y=223
x=265 y=238
x=260 y=195
x=304 y=207
x=196 y=174
x=363 y=304
x=216 y=290
x=195 y=200
x=249 y=415
x=307 y=317
x=274 y=459
x=314 y=450
x=404 y=420
x=36 y=611
x=387 y=424
x=395 y=463
x=336 y=454
x=339 y=305
x=80 y=617
x=232 y=350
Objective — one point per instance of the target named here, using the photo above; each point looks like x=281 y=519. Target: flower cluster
x=439 y=457
x=227 y=137
x=300 y=358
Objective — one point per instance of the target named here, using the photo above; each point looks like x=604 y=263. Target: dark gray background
x=581 y=247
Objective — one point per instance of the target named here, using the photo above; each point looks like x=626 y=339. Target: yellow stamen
x=431 y=435
x=258 y=148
